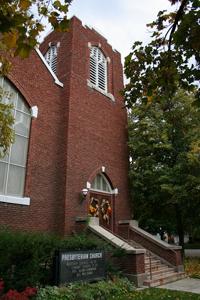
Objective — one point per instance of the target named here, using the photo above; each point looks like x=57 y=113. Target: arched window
x=98 y=69
x=13 y=165
x=101 y=184
x=51 y=57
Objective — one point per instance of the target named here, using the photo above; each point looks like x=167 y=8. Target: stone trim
x=153 y=239
x=15 y=200
x=56 y=80
x=111 y=238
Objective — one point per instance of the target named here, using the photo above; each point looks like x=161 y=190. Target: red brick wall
x=97 y=133
x=130 y=263
x=46 y=162
x=78 y=131
x=173 y=256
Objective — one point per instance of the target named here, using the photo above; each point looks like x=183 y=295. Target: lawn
x=161 y=294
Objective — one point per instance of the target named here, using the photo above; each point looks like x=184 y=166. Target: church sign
x=79 y=266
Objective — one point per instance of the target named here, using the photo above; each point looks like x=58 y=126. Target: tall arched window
x=101 y=184
x=98 y=68
x=13 y=165
x=51 y=57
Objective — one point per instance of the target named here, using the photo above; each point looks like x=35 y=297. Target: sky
x=121 y=22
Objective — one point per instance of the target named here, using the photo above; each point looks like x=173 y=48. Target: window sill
x=15 y=200
x=93 y=86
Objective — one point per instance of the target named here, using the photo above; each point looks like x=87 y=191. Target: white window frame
x=98 y=69
x=51 y=57
x=15 y=200
x=93 y=81
x=101 y=190
x=6 y=198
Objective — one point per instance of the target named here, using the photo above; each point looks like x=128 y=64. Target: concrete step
x=159 y=273
x=153 y=263
x=161 y=268
x=160 y=280
x=147 y=260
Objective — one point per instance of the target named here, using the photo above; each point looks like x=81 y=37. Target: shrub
x=27 y=294
x=26 y=259
x=192 y=267
x=101 y=290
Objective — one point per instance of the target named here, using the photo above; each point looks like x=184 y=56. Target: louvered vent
x=51 y=57
x=98 y=69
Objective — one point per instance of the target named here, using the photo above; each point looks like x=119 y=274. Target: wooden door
x=100 y=205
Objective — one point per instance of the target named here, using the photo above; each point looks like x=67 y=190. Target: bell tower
x=96 y=124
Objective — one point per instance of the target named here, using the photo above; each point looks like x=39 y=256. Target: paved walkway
x=192 y=252
x=185 y=285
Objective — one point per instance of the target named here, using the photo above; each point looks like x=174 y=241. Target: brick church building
x=70 y=136
x=70 y=157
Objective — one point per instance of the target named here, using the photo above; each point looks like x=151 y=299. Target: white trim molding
x=34 y=112
x=89 y=45
x=15 y=200
x=56 y=80
x=103 y=169
x=101 y=191
x=108 y=59
x=88 y=185
x=116 y=191
x=93 y=86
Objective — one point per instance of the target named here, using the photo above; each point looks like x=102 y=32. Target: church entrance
x=101 y=202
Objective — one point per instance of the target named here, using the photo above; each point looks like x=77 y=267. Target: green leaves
x=170 y=61
x=21 y=24
x=6 y=123
x=164 y=144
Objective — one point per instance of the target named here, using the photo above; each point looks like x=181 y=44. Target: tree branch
x=177 y=19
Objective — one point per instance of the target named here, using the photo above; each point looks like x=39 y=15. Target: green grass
x=163 y=294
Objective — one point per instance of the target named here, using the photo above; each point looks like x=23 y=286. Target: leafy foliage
x=86 y=291
x=192 y=267
x=26 y=294
x=119 y=290
x=21 y=22
x=27 y=259
x=164 y=142
x=6 y=123
x=170 y=61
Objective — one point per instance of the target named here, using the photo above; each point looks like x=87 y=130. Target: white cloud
x=122 y=22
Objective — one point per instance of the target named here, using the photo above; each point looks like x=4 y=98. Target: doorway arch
x=101 y=200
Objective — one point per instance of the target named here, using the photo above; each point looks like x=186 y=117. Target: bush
x=101 y=290
x=192 y=267
x=26 y=259
x=192 y=246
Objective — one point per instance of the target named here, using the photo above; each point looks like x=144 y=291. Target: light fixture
x=84 y=192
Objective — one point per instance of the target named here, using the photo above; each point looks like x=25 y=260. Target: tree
x=164 y=143
x=21 y=22
x=6 y=123
x=170 y=61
